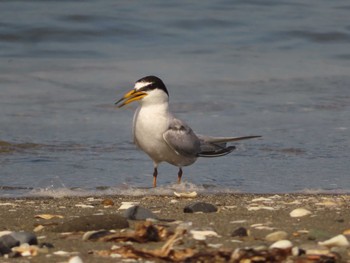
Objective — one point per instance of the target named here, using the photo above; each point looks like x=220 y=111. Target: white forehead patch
x=140 y=85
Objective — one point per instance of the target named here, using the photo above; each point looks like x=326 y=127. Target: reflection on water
x=273 y=68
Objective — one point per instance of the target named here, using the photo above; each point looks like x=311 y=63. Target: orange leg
x=155 y=173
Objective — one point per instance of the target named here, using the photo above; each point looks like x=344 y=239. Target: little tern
x=163 y=137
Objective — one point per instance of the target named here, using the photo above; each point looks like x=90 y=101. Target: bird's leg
x=155 y=173
x=179 y=175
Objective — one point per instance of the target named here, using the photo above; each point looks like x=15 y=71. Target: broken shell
x=275 y=236
x=126 y=205
x=282 y=244
x=48 y=216
x=202 y=235
x=299 y=212
x=75 y=259
x=337 y=241
x=186 y=194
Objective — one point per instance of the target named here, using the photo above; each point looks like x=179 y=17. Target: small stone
x=186 y=194
x=6 y=243
x=276 y=236
x=200 y=207
x=240 y=232
x=93 y=222
x=138 y=213
x=282 y=244
x=337 y=241
x=25 y=237
x=299 y=212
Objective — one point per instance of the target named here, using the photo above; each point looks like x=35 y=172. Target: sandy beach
x=244 y=227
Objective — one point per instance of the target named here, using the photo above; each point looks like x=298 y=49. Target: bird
x=162 y=136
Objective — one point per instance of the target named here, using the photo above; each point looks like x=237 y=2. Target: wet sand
x=260 y=215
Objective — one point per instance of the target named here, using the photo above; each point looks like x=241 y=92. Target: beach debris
x=337 y=241
x=240 y=232
x=299 y=212
x=200 y=207
x=38 y=228
x=75 y=259
x=48 y=216
x=203 y=234
x=276 y=236
x=93 y=222
x=94 y=235
x=144 y=232
x=26 y=250
x=107 y=202
x=346 y=232
x=261 y=226
x=126 y=205
x=186 y=194
x=84 y=206
x=282 y=244
x=138 y=213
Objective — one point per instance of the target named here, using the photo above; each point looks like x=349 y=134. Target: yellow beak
x=131 y=96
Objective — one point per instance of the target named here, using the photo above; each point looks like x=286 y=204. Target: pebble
x=93 y=222
x=200 y=207
x=337 y=241
x=299 y=212
x=240 y=232
x=6 y=243
x=276 y=236
x=281 y=244
x=139 y=213
x=25 y=237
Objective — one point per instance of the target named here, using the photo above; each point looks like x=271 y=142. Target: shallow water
x=279 y=69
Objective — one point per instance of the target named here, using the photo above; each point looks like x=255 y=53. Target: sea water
x=280 y=69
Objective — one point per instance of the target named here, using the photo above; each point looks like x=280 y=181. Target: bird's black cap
x=154 y=83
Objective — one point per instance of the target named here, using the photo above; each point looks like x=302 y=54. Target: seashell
x=282 y=244
x=337 y=241
x=186 y=194
x=75 y=259
x=256 y=208
x=346 y=232
x=202 y=235
x=299 y=212
x=275 y=236
x=38 y=228
x=48 y=216
x=126 y=205
x=261 y=199
x=84 y=206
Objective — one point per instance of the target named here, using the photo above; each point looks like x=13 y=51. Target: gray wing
x=182 y=139
x=217 y=146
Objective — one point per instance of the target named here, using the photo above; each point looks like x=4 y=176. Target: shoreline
x=259 y=214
